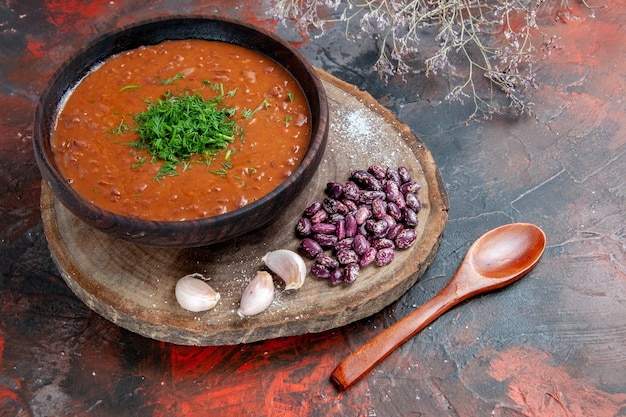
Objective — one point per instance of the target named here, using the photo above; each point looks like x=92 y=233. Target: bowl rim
x=91 y=212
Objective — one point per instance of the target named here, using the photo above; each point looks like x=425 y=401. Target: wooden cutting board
x=133 y=285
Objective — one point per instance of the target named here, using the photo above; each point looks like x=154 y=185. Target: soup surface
x=97 y=127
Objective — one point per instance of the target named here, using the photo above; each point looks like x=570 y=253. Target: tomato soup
x=96 y=129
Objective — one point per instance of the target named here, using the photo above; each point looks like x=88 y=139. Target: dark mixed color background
x=552 y=344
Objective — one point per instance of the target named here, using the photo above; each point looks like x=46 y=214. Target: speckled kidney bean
x=366 y=180
x=336 y=276
x=325 y=241
x=394 y=210
x=378 y=229
x=319 y=216
x=334 y=190
x=350 y=226
x=377 y=171
x=324 y=228
x=409 y=217
x=405 y=238
x=392 y=191
x=362 y=214
x=320 y=271
x=303 y=228
x=341 y=229
x=331 y=205
x=368 y=257
x=384 y=257
x=367 y=196
x=362 y=229
x=344 y=244
x=379 y=208
x=400 y=201
x=351 y=191
x=350 y=205
x=391 y=222
x=405 y=175
x=335 y=218
x=383 y=243
x=394 y=232
x=351 y=272
x=347 y=256
x=392 y=174
x=360 y=244
x=410 y=187
x=327 y=261
x=310 y=247
x=313 y=208
x=412 y=202
x=342 y=208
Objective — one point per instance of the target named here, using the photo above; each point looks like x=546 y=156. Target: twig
x=481 y=31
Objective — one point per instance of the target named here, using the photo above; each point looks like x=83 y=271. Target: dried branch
x=493 y=37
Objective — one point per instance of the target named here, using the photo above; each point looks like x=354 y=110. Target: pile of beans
x=360 y=222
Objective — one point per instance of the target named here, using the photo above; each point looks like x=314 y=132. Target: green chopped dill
x=227 y=165
x=207 y=160
x=172 y=80
x=177 y=127
x=247 y=113
x=291 y=97
x=120 y=128
x=168 y=168
x=287 y=120
x=232 y=92
x=139 y=162
x=222 y=172
x=129 y=87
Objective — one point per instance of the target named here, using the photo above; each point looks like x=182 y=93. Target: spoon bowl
x=498 y=258
x=507 y=251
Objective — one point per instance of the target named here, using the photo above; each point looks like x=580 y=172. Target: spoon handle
x=378 y=348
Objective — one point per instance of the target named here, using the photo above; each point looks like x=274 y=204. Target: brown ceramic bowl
x=188 y=233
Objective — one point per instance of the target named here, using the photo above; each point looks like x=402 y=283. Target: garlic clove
x=193 y=294
x=257 y=296
x=288 y=265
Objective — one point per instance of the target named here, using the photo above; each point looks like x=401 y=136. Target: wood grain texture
x=133 y=285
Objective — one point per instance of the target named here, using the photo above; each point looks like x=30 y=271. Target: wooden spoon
x=496 y=259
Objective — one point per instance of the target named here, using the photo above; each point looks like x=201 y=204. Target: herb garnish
x=176 y=127
x=129 y=87
x=232 y=92
x=221 y=172
x=139 y=162
x=172 y=80
x=247 y=113
x=120 y=128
